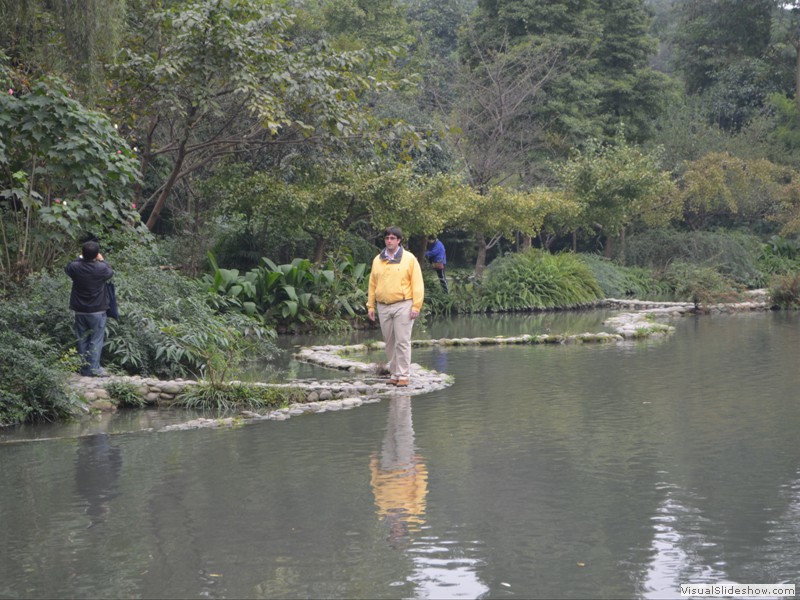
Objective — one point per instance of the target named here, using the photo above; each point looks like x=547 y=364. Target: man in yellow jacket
x=397 y=291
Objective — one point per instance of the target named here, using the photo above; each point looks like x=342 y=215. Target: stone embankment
x=363 y=384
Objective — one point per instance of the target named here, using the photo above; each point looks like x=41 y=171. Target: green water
x=571 y=471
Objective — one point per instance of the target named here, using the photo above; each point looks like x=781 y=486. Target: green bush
x=464 y=296
x=65 y=171
x=780 y=256
x=343 y=291
x=293 y=296
x=538 y=280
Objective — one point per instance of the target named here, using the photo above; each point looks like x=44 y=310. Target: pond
x=544 y=471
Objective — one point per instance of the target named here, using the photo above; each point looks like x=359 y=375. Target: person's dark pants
x=443 y=280
x=90 y=330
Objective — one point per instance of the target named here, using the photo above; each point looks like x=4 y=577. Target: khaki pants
x=396 y=325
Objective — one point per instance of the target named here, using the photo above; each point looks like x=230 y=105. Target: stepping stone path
x=641 y=320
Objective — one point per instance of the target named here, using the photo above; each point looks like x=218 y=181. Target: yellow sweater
x=391 y=282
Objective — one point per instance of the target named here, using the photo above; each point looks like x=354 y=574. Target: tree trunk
x=420 y=249
x=319 y=250
x=162 y=197
x=480 y=261
x=608 y=249
x=527 y=242
x=797 y=72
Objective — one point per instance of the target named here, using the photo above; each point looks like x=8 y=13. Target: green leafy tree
x=786 y=130
x=734 y=55
x=502 y=212
x=787 y=39
x=720 y=189
x=208 y=79
x=619 y=185
x=326 y=204
x=64 y=172
x=358 y=24
x=434 y=52
x=567 y=29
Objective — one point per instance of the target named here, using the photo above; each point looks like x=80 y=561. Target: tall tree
x=209 y=79
x=733 y=55
x=633 y=92
x=496 y=128
x=604 y=48
x=71 y=38
x=497 y=132
x=788 y=32
x=569 y=103
x=711 y=36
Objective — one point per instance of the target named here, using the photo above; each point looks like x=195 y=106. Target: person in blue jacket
x=438 y=259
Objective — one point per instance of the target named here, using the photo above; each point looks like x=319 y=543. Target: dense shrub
x=734 y=255
x=700 y=285
x=538 y=280
x=618 y=281
x=785 y=290
x=151 y=298
x=125 y=394
x=464 y=296
x=153 y=301
x=294 y=296
x=32 y=372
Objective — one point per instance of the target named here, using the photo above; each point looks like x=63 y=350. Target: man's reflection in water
x=399 y=476
x=96 y=471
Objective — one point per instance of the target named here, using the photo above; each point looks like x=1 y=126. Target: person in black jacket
x=89 y=300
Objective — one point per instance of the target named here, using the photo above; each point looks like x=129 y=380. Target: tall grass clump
x=463 y=297
x=125 y=394
x=780 y=256
x=535 y=279
x=234 y=396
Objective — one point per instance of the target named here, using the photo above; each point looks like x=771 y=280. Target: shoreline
x=644 y=320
